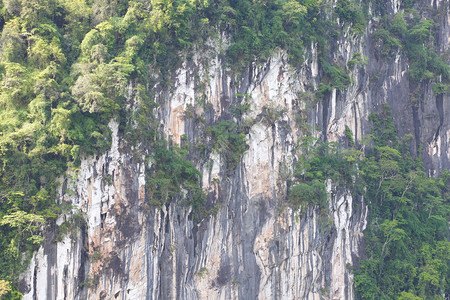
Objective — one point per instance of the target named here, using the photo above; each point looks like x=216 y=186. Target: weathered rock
x=254 y=247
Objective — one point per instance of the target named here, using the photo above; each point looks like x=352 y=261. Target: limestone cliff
x=254 y=247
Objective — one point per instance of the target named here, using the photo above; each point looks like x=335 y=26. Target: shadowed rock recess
x=253 y=245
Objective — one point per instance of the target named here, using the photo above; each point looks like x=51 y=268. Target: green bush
x=350 y=12
x=415 y=37
x=313 y=192
x=406 y=238
x=229 y=141
x=358 y=59
x=440 y=88
x=66 y=69
x=170 y=173
x=317 y=163
x=335 y=76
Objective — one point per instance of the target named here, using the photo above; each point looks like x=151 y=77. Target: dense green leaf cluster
x=67 y=67
x=407 y=235
x=229 y=141
x=170 y=174
x=258 y=27
x=334 y=77
x=65 y=71
x=349 y=11
x=318 y=162
x=407 y=247
x=41 y=127
x=410 y=33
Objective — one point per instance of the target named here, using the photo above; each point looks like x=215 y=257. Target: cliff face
x=254 y=247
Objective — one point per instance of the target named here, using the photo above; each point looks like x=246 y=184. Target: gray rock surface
x=254 y=247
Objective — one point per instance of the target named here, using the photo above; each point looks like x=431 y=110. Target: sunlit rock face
x=254 y=247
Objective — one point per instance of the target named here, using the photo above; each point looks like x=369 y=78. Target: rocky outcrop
x=254 y=247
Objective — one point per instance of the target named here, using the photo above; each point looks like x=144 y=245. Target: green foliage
x=358 y=59
x=241 y=108
x=202 y=272
x=324 y=89
x=171 y=174
x=408 y=296
x=388 y=45
x=90 y=282
x=19 y=231
x=413 y=35
x=272 y=114
x=441 y=88
x=229 y=141
x=313 y=192
x=260 y=27
x=318 y=162
x=12 y=295
x=71 y=226
x=407 y=233
x=65 y=69
x=334 y=76
x=65 y=72
x=349 y=136
x=42 y=129
x=5 y=287
x=349 y=11
x=323 y=161
x=384 y=131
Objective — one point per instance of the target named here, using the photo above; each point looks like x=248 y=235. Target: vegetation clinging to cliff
x=407 y=235
x=66 y=69
x=407 y=247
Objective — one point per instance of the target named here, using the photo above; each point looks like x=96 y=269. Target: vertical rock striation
x=254 y=247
